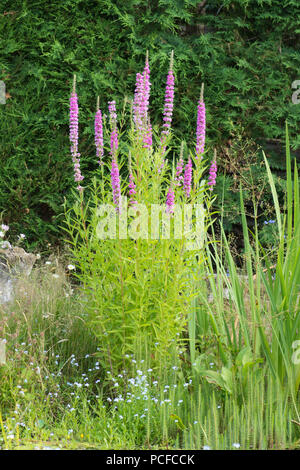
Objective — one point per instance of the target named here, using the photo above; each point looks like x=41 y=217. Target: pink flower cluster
x=212 y=174
x=184 y=172
x=132 y=190
x=113 y=125
x=74 y=136
x=98 y=125
x=201 y=123
x=179 y=170
x=169 y=102
x=115 y=183
x=170 y=201
x=187 y=182
x=141 y=105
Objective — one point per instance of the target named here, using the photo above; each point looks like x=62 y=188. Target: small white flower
x=5 y=244
x=236 y=445
x=71 y=267
x=206 y=448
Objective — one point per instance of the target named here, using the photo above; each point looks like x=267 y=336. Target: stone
x=15 y=262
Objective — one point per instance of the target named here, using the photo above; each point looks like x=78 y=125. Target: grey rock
x=15 y=262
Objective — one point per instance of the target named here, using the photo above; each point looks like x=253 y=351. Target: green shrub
x=245 y=52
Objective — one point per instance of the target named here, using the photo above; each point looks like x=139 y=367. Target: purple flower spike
x=179 y=168
x=212 y=173
x=201 y=123
x=170 y=201
x=147 y=139
x=132 y=190
x=74 y=135
x=169 y=102
x=147 y=85
x=113 y=125
x=141 y=106
x=187 y=182
x=138 y=95
x=161 y=166
x=99 y=133
x=115 y=183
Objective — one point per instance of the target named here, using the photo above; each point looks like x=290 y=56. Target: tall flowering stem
x=201 y=123
x=213 y=172
x=169 y=102
x=179 y=168
x=113 y=126
x=147 y=137
x=141 y=105
x=74 y=135
x=131 y=185
x=98 y=125
x=114 y=174
x=115 y=183
x=137 y=103
x=132 y=190
x=170 y=201
x=187 y=181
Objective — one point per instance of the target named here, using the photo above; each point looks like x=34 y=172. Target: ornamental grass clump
x=260 y=321
x=134 y=255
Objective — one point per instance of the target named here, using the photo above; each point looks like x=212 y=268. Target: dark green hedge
x=246 y=52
